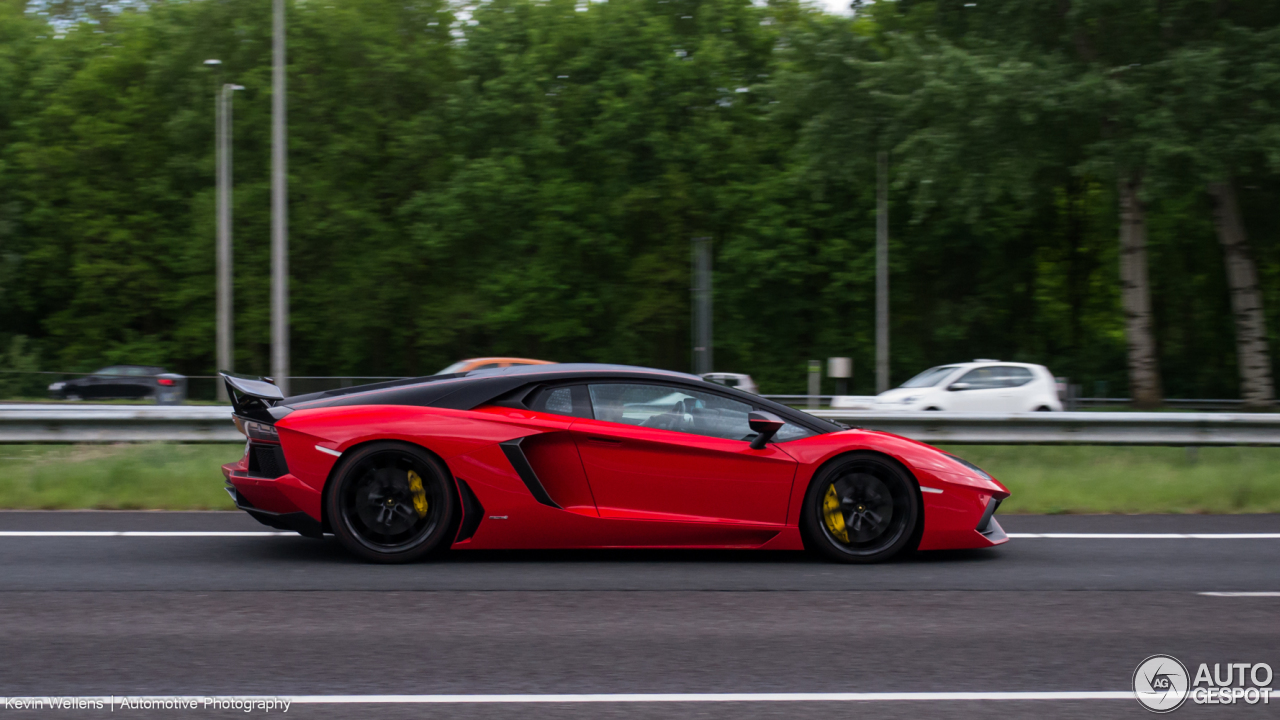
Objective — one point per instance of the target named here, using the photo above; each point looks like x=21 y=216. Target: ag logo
x=1160 y=683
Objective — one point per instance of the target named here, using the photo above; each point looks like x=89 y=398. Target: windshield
x=456 y=367
x=930 y=377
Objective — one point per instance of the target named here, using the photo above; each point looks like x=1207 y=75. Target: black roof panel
x=584 y=369
x=478 y=387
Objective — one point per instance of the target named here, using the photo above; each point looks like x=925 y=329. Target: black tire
x=876 y=512
x=1044 y=408
x=378 y=515
x=933 y=409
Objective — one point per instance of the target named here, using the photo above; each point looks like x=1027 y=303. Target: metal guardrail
x=116 y=423
x=1076 y=402
x=1171 y=403
x=1071 y=428
x=201 y=424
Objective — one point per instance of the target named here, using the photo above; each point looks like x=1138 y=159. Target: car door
x=116 y=385
x=979 y=390
x=664 y=452
x=138 y=382
x=1022 y=389
x=97 y=385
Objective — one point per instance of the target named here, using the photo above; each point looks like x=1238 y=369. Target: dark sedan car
x=119 y=382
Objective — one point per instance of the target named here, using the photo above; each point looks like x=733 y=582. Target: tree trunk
x=1135 y=296
x=1252 y=352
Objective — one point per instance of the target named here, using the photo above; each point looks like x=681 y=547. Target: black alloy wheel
x=391 y=503
x=861 y=508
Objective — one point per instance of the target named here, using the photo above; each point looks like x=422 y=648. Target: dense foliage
x=525 y=177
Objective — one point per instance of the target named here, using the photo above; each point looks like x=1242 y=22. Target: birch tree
x=1253 y=354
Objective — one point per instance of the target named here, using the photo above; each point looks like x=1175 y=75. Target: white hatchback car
x=733 y=380
x=979 y=386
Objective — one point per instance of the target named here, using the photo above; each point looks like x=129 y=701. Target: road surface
x=246 y=614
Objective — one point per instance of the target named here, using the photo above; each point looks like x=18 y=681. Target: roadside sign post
x=815 y=383
x=840 y=368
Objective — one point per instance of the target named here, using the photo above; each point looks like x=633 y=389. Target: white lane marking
x=137 y=533
x=930 y=490
x=710 y=697
x=203 y=533
x=329 y=451
x=1240 y=594
x=58 y=533
x=607 y=697
x=1149 y=536
x=268 y=533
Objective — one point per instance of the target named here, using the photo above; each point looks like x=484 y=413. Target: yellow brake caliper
x=419 y=494
x=831 y=513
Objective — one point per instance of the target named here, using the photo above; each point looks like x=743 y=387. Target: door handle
x=603 y=441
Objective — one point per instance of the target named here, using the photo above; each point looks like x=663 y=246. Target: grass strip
x=1110 y=479
x=115 y=477
x=1043 y=479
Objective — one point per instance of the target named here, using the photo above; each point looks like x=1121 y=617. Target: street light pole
x=279 y=209
x=225 y=323
x=882 y=272
x=222 y=214
x=702 y=298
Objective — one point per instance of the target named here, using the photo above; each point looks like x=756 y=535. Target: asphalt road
x=286 y=615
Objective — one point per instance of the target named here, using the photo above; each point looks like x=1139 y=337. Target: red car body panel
x=650 y=474
x=617 y=485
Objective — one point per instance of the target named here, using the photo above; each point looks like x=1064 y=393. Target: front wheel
x=860 y=508
x=391 y=503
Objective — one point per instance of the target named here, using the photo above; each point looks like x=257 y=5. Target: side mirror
x=959 y=386
x=765 y=425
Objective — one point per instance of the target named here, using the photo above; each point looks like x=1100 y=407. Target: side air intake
x=520 y=462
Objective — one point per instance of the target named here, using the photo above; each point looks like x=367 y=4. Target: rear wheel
x=861 y=508
x=391 y=503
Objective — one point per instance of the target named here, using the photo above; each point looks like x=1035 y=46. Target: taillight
x=256 y=430
x=165 y=381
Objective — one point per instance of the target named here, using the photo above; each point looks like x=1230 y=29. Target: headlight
x=57 y=386
x=910 y=399
x=970 y=466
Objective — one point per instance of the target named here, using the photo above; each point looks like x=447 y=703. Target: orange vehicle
x=489 y=363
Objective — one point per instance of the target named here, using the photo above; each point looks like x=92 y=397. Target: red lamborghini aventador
x=592 y=456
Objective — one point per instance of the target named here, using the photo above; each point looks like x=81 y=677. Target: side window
x=486 y=366
x=671 y=408
x=559 y=401
x=1016 y=376
x=571 y=401
x=984 y=378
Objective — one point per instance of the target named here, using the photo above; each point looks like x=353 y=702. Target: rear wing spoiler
x=253 y=398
